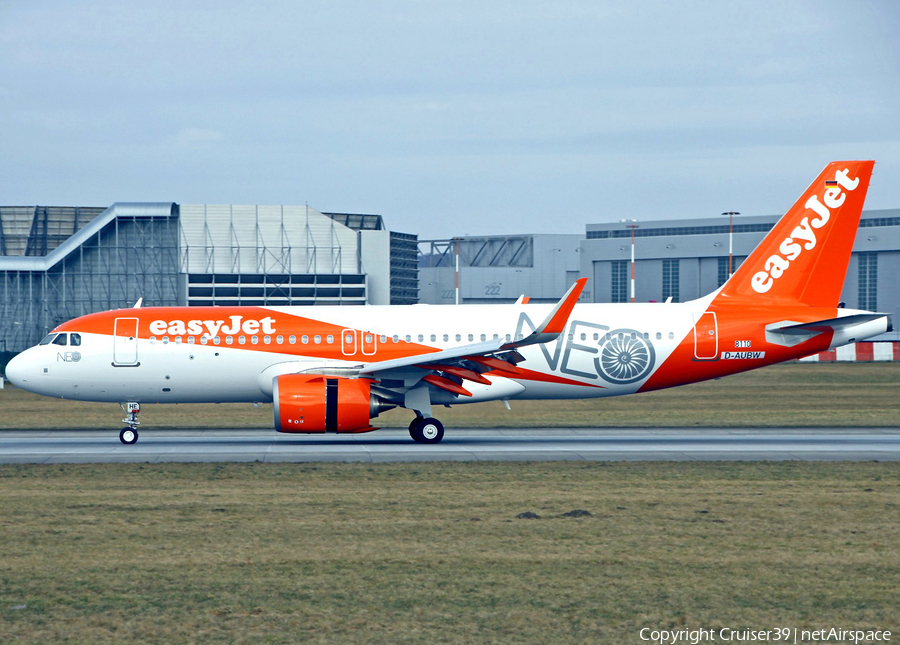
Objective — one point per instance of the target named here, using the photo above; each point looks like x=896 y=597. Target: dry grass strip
x=426 y=553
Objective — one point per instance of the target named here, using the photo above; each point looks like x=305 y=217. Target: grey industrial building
x=498 y=268
x=678 y=259
x=57 y=263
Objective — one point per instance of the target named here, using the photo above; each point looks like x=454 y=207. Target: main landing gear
x=426 y=430
x=129 y=434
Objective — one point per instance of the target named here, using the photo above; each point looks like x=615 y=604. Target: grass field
x=813 y=395
x=413 y=553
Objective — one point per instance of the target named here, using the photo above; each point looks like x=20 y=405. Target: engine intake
x=318 y=403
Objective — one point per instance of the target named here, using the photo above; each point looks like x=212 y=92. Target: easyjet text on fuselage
x=234 y=325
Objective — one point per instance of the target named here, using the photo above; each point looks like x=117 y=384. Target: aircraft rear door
x=125 y=347
x=706 y=341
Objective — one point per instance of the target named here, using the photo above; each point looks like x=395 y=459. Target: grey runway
x=503 y=444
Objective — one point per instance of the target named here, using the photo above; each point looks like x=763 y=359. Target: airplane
x=334 y=369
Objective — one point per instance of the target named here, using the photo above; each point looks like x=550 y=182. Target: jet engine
x=321 y=403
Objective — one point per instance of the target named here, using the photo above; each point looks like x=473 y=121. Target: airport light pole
x=631 y=224
x=731 y=215
x=457 y=269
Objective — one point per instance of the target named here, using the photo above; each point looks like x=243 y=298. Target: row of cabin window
x=242 y=340
x=329 y=340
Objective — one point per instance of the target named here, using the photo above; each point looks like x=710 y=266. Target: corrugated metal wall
x=265 y=239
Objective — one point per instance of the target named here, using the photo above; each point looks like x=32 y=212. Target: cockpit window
x=75 y=340
x=62 y=339
x=47 y=339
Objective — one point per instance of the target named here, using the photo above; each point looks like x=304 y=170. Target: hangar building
x=57 y=263
x=498 y=269
x=681 y=259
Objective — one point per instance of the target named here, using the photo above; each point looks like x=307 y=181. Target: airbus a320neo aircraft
x=332 y=369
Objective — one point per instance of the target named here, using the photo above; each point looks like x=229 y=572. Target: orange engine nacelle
x=317 y=403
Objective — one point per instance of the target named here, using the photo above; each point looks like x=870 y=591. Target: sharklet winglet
x=556 y=320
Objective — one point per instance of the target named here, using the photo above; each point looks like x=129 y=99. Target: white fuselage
x=187 y=368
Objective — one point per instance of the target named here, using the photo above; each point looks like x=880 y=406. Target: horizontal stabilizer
x=820 y=326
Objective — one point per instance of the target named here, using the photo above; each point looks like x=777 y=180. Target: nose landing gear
x=129 y=435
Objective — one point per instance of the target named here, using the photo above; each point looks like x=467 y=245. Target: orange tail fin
x=804 y=257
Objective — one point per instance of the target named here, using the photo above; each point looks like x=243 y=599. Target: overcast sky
x=463 y=117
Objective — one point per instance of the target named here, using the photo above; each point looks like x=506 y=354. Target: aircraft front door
x=706 y=339
x=125 y=347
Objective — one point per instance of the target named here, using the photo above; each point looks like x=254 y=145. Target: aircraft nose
x=17 y=370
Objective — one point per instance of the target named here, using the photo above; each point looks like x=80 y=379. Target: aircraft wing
x=449 y=367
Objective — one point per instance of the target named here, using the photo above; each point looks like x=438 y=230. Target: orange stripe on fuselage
x=249 y=323
x=736 y=327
